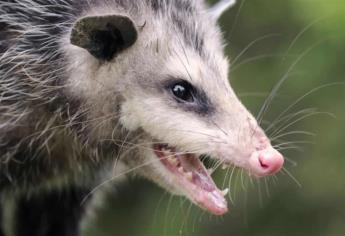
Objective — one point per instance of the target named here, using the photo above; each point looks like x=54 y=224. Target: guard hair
x=95 y=91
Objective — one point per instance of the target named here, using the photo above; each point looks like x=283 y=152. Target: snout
x=266 y=162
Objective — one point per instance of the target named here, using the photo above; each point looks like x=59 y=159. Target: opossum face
x=190 y=110
x=177 y=99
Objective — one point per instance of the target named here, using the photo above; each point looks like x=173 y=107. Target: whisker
x=254 y=59
x=185 y=219
x=296 y=148
x=300 y=34
x=293 y=163
x=155 y=214
x=277 y=132
x=260 y=193
x=223 y=131
x=185 y=67
x=267 y=188
x=230 y=184
x=167 y=214
x=293 y=142
x=225 y=178
x=292 y=177
x=127 y=172
x=292 y=133
x=252 y=44
x=236 y=17
x=275 y=89
x=236 y=184
x=282 y=121
x=242 y=181
x=305 y=95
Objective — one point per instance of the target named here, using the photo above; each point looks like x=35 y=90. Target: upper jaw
x=191 y=178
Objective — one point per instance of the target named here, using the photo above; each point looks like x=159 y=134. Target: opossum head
x=166 y=79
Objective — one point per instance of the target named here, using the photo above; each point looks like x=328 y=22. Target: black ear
x=104 y=36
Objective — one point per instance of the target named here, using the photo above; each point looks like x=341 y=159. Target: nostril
x=270 y=161
x=262 y=163
x=266 y=162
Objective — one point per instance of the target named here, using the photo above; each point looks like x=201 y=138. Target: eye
x=183 y=91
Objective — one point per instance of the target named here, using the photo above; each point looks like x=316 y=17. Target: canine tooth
x=210 y=171
x=225 y=191
x=189 y=175
x=166 y=151
x=173 y=160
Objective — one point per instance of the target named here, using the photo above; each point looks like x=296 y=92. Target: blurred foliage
x=266 y=37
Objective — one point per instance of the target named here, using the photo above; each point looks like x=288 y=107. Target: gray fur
x=70 y=119
x=37 y=114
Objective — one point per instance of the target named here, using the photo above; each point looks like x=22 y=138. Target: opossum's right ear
x=104 y=36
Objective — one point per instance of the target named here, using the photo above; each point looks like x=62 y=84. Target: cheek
x=128 y=117
x=166 y=124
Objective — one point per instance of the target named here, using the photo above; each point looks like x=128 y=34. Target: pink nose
x=266 y=162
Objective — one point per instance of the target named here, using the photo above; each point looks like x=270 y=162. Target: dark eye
x=183 y=91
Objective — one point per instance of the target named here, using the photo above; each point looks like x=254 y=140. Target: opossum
x=93 y=90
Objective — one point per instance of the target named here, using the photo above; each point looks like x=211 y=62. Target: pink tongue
x=213 y=202
x=206 y=195
x=203 y=181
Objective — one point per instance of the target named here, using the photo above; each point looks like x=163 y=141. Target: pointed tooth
x=189 y=176
x=173 y=161
x=165 y=152
x=210 y=171
x=225 y=191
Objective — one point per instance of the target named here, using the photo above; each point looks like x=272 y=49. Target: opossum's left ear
x=104 y=36
x=219 y=8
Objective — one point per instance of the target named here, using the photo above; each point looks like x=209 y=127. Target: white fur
x=142 y=107
x=124 y=100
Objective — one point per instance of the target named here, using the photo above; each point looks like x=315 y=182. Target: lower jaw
x=190 y=176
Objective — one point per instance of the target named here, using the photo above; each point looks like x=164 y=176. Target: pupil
x=183 y=91
x=180 y=91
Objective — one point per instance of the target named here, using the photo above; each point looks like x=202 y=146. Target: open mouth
x=192 y=177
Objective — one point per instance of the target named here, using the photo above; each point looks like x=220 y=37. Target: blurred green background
x=266 y=37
